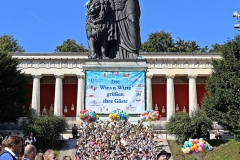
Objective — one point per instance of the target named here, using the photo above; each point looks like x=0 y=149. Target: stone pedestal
x=116 y=65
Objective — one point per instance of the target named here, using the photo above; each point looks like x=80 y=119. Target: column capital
x=81 y=76
x=169 y=76
x=37 y=76
x=59 y=76
x=192 y=76
x=149 y=76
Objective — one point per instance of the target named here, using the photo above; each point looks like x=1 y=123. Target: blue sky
x=41 y=25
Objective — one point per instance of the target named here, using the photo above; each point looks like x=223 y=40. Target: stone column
x=36 y=93
x=58 y=100
x=149 y=91
x=192 y=93
x=170 y=96
x=80 y=94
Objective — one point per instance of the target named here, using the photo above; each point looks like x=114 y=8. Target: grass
x=223 y=150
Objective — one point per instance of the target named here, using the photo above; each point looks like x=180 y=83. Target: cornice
x=154 y=61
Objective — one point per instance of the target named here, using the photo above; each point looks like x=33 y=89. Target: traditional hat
x=163 y=152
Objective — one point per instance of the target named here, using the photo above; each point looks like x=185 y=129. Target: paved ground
x=68 y=149
x=161 y=142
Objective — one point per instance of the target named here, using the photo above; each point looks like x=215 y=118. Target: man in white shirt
x=29 y=152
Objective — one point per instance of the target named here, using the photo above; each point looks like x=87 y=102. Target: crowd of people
x=116 y=141
x=95 y=141
x=15 y=147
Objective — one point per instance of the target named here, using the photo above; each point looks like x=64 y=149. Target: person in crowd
x=29 y=152
x=207 y=135
x=13 y=146
x=39 y=156
x=77 y=157
x=17 y=134
x=218 y=135
x=49 y=155
x=27 y=141
x=67 y=158
x=74 y=131
x=163 y=155
x=9 y=134
x=32 y=138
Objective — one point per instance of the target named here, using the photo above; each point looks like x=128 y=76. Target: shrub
x=46 y=128
x=184 y=126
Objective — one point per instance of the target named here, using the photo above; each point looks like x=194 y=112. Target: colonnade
x=170 y=106
x=58 y=97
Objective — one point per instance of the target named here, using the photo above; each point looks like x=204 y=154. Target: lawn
x=223 y=150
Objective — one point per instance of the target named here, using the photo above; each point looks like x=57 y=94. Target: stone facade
x=167 y=70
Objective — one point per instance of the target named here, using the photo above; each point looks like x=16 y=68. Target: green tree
x=46 y=127
x=158 y=42
x=70 y=46
x=184 y=127
x=187 y=46
x=9 y=44
x=163 y=42
x=12 y=89
x=215 y=47
x=222 y=103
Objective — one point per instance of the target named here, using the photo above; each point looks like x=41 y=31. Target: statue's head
x=94 y=7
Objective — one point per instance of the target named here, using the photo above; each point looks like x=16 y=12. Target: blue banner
x=107 y=91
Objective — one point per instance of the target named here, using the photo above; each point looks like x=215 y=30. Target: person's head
x=39 y=156
x=49 y=155
x=67 y=158
x=163 y=155
x=14 y=143
x=30 y=152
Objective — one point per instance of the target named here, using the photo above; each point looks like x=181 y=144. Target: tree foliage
x=222 y=103
x=163 y=42
x=215 y=47
x=12 y=89
x=9 y=44
x=70 y=46
x=46 y=128
x=185 y=127
x=158 y=42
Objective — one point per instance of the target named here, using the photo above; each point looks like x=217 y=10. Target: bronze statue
x=113 y=29
x=96 y=28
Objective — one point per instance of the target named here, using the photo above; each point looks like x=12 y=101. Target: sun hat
x=163 y=152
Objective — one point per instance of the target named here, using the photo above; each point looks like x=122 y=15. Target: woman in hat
x=163 y=155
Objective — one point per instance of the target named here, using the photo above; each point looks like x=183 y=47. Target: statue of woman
x=125 y=31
